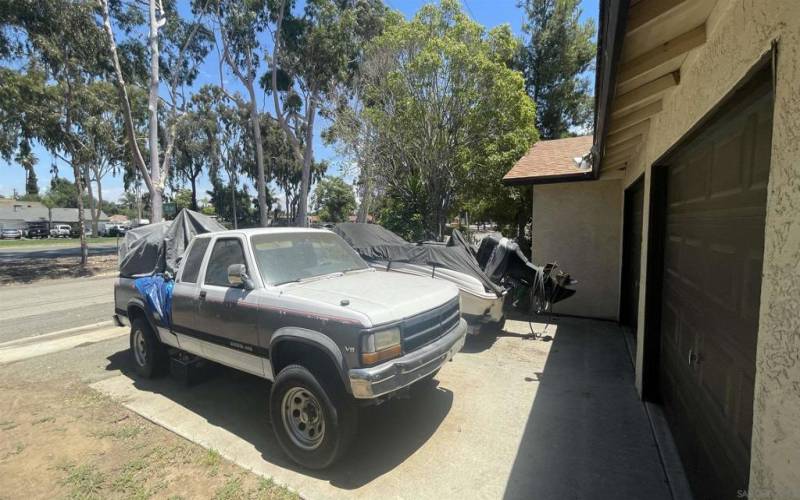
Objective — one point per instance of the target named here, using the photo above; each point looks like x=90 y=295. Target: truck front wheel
x=313 y=422
x=149 y=355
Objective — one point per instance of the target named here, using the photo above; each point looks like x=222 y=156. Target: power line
x=469 y=11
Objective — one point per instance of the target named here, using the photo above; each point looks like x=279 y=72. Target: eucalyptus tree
x=240 y=24
x=314 y=50
x=57 y=55
x=175 y=47
x=103 y=133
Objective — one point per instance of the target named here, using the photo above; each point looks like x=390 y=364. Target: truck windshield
x=287 y=257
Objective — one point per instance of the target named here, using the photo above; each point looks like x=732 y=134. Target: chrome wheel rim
x=303 y=418
x=139 y=348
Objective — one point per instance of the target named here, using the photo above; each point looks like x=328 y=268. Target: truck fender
x=138 y=304
x=315 y=339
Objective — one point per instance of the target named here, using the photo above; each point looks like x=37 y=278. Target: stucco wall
x=578 y=225
x=739 y=33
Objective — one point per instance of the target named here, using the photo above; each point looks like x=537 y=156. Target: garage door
x=716 y=191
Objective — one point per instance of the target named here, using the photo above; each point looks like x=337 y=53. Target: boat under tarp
x=376 y=243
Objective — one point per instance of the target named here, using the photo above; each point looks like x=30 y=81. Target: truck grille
x=424 y=328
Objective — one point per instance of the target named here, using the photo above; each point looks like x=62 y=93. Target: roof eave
x=613 y=18
x=549 y=179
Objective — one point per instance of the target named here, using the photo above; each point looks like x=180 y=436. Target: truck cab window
x=191 y=268
x=226 y=252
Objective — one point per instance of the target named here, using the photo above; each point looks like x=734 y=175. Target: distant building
x=119 y=219
x=18 y=214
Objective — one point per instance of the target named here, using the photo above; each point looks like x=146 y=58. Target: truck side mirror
x=237 y=276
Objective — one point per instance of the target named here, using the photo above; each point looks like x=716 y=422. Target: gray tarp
x=156 y=248
x=376 y=243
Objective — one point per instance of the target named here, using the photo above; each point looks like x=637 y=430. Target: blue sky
x=487 y=12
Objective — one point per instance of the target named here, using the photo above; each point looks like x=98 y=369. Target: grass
x=212 y=459
x=127 y=431
x=84 y=481
x=130 y=483
x=53 y=241
x=234 y=489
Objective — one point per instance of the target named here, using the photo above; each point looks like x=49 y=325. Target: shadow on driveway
x=587 y=434
x=388 y=434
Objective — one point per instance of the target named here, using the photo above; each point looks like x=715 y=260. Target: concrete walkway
x=511 y=417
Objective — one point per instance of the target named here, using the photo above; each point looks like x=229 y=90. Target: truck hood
x=382 y=297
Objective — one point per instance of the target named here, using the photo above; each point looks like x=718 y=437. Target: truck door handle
x=202 y=294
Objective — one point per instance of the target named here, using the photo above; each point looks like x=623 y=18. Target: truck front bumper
x=375 y=381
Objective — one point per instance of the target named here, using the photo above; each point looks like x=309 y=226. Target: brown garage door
x=716 y=191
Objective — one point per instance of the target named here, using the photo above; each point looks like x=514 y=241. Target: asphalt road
x=55 y=305
x=9 y=255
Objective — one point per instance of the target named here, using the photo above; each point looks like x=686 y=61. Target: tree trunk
x=261 y=185
x=156 y=200
x=93 y=210
x=366 y=195
x=99 y=197
x=194 y=192
x=232 y=182
x=81 y=228
x=308 y=158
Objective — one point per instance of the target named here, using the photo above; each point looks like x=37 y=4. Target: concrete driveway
x=510 y=417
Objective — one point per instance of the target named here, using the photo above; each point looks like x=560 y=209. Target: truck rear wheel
x=149 y=355
x=313 y=421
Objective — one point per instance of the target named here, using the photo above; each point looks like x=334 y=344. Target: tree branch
x=136 y=153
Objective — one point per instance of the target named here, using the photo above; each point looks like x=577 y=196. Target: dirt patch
x=32 y=270
x=64 y=440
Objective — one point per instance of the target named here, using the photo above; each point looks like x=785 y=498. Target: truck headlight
x=381 y=345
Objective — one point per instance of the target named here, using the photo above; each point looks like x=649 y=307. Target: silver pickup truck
x=300 y=308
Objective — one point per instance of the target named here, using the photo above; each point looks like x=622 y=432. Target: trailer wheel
x=314 y=419
x=150 y=357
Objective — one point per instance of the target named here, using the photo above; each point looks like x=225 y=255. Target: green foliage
x=316 y=51
x=558 y=53
x=450 y=115
x=62 y=193
x=222 y=203
x=184 y=199
x=402 y=218
x=334 y=199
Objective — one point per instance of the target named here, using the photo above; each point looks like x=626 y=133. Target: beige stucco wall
x=578 y=225
x=739 y=33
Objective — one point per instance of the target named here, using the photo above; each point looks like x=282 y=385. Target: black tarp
x=376 y=243
x=501 y=258
x=156 y=248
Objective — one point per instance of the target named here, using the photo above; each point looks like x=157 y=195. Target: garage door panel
x=763 y=146
x=696 y=176
x=710 y=292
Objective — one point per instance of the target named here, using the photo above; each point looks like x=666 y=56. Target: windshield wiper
x=311 y=278
x=354 y=269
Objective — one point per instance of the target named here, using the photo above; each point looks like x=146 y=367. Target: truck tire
x=313 y=418
x=150 y=357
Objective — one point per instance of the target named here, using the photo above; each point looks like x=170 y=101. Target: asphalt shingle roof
x=547 y=159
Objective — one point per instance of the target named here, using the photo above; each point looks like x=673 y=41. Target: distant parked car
x=61 y=231
x=116 y=230
x=38 y=230
x=74 y=232
x=11 y=234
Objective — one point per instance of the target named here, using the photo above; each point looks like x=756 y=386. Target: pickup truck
x=300 y=308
